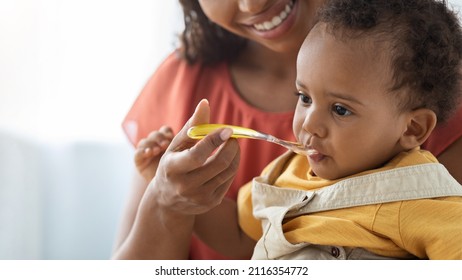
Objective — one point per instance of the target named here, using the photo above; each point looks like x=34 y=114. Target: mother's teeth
x=275 y=21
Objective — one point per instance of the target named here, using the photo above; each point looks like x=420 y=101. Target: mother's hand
x=191 y=178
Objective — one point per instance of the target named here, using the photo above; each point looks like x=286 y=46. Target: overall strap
x=422 y=181
x=407 y=183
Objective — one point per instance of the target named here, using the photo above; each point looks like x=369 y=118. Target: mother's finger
x=195 y=157
x=200 y=116
x=225 y=158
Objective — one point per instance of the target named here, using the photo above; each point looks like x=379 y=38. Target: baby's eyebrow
x=299 y=84
x=338 y=95
x=346 y=97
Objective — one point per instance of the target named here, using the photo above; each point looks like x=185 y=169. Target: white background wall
x=69 y=71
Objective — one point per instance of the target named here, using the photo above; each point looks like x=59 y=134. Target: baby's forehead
x=366 y=42
x=361 y=56
x=375 y=36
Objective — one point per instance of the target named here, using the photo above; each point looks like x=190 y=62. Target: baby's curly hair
x=425 y=40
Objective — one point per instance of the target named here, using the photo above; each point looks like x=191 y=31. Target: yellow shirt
x=426 y=228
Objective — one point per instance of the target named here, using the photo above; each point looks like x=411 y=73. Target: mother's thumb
x=201 y=115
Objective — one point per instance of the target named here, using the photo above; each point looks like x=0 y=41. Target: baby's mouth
x=315 y=155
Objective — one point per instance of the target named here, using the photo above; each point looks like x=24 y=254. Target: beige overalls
x=273 y=204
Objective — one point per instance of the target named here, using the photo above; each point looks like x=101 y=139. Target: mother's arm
x=137 y=189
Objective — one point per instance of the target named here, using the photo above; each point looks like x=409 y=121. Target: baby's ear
x=421 y=123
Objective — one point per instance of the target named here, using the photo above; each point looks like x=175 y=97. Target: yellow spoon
x=200 y=131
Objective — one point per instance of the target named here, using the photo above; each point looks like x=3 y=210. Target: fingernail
x=226 y=133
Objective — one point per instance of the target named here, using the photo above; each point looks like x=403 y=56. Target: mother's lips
x=276 y=20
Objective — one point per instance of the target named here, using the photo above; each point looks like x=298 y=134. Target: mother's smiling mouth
x=276 y=20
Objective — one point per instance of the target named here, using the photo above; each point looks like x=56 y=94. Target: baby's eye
x=341 y=111
x=304 y=98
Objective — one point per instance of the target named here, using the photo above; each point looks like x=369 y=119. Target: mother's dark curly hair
x=424 y=37
x=205 y=41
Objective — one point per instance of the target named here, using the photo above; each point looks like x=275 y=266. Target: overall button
x=335 y=252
